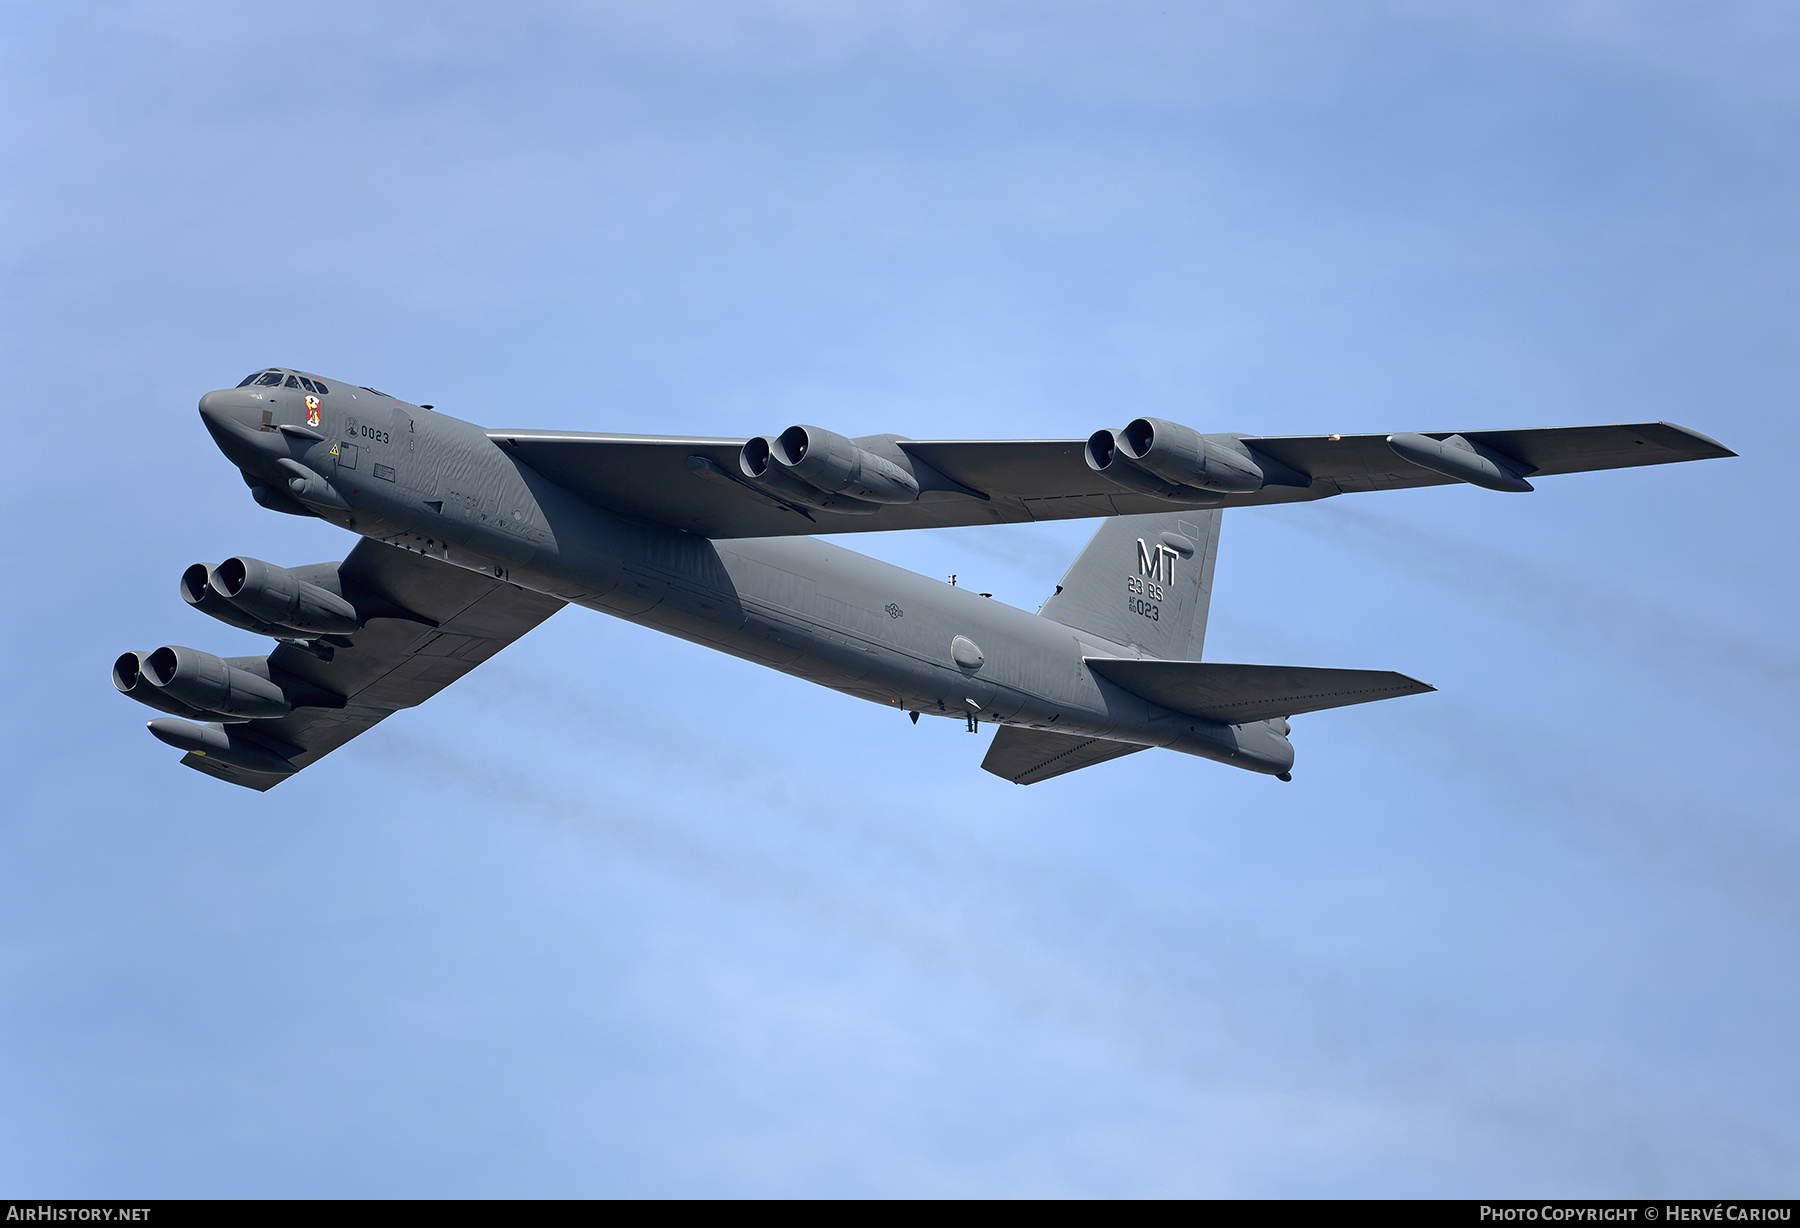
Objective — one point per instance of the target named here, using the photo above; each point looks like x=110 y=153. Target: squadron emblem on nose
x=312 y=411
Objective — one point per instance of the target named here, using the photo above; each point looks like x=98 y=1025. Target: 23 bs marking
x=1148 y=588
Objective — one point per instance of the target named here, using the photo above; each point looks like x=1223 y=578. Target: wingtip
x=1719 y=450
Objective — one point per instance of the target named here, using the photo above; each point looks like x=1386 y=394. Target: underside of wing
x=1352 y=463
x=461 y=619
x=1236 y=694
x=697 y=485
x=700 y=485
x=1026 y=756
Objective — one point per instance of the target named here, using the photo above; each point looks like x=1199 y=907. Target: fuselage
x=431 y=483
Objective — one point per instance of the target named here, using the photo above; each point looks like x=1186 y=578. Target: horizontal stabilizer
x=1236 y=694
x=1026 y=756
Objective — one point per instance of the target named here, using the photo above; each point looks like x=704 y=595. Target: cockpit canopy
x=275 y=379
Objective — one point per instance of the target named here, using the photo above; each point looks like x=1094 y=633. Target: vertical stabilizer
x=1144 y=580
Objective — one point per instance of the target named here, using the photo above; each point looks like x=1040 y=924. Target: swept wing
x=696 y=484
x=390 y=663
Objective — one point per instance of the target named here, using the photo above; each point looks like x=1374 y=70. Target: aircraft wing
x=695 y=483
x=392 y=663
x=1367 y=462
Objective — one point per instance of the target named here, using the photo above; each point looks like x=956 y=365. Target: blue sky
x=620 y=916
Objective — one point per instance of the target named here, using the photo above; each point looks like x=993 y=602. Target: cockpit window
x=307 y=384
x=249 y=379
x=293 y=381
x=320 y=385
x=271 y=380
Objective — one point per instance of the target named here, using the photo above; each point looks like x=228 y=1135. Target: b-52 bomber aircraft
x=472 y=537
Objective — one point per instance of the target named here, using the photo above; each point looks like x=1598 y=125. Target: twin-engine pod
x=201 y=682
x=1174 y=462
x=131 y=679
x=197 y=590
x=276 y=595
x=1183 y=455
x=825 y=470
x=833 y=463
x=188 y=682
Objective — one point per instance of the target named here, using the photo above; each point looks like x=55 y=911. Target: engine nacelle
x=198 y=592
x=1105 y=455
x=225 y=745
x=827 y=461
x=757 y=461
x=1184 y=456
x=211 y=684
x=276 y=595
x=128 y=676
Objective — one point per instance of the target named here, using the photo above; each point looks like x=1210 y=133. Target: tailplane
x=1026 y=756
x=1238 y=694
x=1144 y=580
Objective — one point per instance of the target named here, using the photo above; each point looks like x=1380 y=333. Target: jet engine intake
x=128 y=676
x=276 y=595
x=829 y=462
x=1184 y=456
x=210 y=684
x=198 y=592
x=757 y=460
x=1106 y=456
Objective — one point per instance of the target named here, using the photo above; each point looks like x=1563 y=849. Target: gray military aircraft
x=472 y=537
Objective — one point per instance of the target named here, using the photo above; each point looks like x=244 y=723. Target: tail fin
x=1144 y=580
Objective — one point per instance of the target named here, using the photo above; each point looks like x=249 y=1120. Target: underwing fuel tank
x=217 y=742
x=1456 y=457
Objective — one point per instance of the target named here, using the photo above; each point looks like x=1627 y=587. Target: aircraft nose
x=225 y=405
